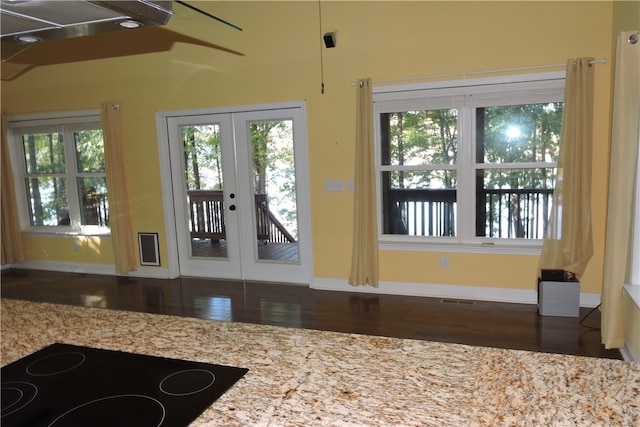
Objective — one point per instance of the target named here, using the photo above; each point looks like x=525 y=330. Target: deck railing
x=515 y=213
x=500 y=213
x=95 y=209
x=206 y=210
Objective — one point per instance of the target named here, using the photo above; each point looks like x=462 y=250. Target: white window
x=467 y=163
x=60 y=175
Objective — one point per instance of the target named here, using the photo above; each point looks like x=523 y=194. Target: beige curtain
x=624 y=152
x=568 y=243
x=364 y=261
x=119 y=213
x=11 y=237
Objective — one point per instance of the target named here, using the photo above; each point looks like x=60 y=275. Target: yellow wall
x=80 y=249
x=626 y=16
x=280 y=62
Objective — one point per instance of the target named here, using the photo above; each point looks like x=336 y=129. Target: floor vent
x=457 y=301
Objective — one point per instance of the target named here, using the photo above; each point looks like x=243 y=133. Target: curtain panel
x=622 y=170
x=364 y=261
x=119 y=211
x=568 y=243
x=11 y=237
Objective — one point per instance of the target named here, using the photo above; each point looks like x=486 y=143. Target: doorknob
x=232 y=195
x=232 y=207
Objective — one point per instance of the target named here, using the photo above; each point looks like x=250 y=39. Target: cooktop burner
x=64 y=385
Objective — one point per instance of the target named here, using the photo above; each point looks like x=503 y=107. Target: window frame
x=68 y=123
x=466 y=95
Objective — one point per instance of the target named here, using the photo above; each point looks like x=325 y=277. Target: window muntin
x=504 y=162
x=60 y=167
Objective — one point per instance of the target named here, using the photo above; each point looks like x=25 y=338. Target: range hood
x=27 y=22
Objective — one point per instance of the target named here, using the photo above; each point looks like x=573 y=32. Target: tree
x=274 y=168
x=203 y=168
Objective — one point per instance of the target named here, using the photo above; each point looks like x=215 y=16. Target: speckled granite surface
x=310 y=378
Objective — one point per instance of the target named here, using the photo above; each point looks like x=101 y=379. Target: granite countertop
x=303 y=377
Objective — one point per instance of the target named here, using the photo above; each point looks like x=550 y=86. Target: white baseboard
x=101 y=269
x=628 y=354
x=67 y=267
x=151 y=273
x=478 y=293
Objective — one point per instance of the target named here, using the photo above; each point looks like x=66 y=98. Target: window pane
x=419 y=203
x=513 y=203
x=94 y=205
x=518 y=133
x=89 y=150
x=420 y=137
x=47 y=198
x=44 y=153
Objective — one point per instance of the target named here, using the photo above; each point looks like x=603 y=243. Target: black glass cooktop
x=67 y=385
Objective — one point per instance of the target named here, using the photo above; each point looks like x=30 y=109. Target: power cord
x=589 y=314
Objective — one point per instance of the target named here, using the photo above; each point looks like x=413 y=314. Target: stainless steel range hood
x=25 y=22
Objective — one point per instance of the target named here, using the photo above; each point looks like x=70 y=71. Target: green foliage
x=202 y=157
x=526 y=133
x=90 y=150
x=428 y=137
x=44 y=153
x=522 y=133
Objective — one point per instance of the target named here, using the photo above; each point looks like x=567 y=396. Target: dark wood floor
x=501 y=325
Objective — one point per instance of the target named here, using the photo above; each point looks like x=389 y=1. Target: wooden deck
x=266 y=251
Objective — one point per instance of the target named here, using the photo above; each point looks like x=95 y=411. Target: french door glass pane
x=203 y=177
x=274 y=190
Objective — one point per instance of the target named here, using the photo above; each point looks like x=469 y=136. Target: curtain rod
x=472 y=73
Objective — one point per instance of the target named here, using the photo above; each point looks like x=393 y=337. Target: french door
x=240 y=194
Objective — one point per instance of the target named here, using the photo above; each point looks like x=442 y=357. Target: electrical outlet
x=444 y=261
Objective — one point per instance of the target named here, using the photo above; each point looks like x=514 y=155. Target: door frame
x=302 y=181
